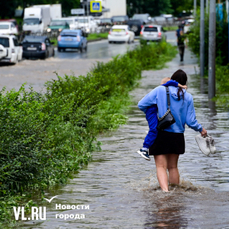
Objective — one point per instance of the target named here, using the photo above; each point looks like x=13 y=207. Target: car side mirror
x=40 y=21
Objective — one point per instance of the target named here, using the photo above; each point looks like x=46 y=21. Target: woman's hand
x=203 y=133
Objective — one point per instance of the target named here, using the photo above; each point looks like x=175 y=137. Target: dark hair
x=181 y=77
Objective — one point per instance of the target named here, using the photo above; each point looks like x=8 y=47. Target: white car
x=10 y=51
x=121 y=33
x=153 y=33
x=8 y=28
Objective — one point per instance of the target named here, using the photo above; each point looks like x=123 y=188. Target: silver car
x=153 y=33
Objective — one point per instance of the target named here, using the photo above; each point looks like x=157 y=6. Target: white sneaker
x=212 y=145
x=204 y=144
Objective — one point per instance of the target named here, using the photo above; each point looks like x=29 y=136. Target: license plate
x=31 y=48
x=118 y=34
x=152 y=35
x=68 y=39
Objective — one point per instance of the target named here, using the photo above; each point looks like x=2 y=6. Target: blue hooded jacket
x=182 y=110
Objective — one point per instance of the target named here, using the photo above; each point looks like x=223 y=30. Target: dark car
x=136 y=26
x=120 y=20
x=37 y=47
x=106 y=22
x=144 y=17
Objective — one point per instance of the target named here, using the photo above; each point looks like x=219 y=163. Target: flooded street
x=121 y=188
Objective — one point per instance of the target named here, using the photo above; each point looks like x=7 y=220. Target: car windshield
x=150 y=29
x=83 y=20
x=69 y=34
x=31 y=21
x=57 y=22
x=33 y=39
x=118 y=30
x=4 y=42
x=119 y=18
x=142 y=17
x=4 y=26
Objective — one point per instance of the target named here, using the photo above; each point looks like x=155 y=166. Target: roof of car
x=152 y=26
x=120 y=26
x=5 y=35
x=70 y=30
x=6 y=22
x=35 y=37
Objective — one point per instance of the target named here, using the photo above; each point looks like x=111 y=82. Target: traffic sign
x=77 y=11
x=95 y=6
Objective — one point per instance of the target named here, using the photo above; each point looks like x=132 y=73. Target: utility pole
x=211 y=50
x=194 y=13
x=207 y=6
x=202 y=37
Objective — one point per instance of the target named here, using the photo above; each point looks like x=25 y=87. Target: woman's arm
x=148 y=100
x=191 y=119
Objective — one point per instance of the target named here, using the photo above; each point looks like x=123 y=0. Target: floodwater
x=121 y=188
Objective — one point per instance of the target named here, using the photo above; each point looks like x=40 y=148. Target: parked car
x=153 y=33
x=10 y=50
x=11 y=20
x=160 y=20
x=121 y=33
x=37 y=47
x=72 y=39
x=136 y=26
x=8 y=28
x=106 y=22
x=143 y=17
x=120 y=20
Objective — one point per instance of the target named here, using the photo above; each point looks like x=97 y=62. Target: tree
x=153 y=7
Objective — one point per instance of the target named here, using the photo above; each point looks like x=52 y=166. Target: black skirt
x=168 y=143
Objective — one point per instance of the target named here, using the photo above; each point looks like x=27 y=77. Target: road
x=71 y=62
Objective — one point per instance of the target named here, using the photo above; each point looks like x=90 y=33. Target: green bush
x=47 y=137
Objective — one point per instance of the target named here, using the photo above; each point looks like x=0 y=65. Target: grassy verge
x=93 y=36
x=171 y=28
x=45 y=138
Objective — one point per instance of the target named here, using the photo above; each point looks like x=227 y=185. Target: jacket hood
x=173 y=92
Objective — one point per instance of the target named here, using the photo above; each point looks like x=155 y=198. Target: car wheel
x=85 y=48
x=128 y=41
x=81 y=49
x=63 y=49
x=59 y=49
x=110 y=42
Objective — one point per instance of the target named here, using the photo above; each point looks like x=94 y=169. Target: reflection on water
x=121 y=187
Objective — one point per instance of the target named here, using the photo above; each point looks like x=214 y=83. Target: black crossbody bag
x=167 y=119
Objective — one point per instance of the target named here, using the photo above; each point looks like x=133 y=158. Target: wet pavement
x=121 y=188
x=36 y=72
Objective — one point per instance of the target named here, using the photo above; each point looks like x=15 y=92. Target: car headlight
x=87 y=30
x=60 y=30
x=48 y=30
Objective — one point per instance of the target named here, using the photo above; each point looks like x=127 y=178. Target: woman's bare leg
x=174 y=177
x=161 y=165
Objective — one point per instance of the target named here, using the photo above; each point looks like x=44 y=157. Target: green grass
x=170 y=28
x=93 y=36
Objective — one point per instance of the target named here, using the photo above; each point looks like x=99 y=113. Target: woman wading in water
x=170 y=142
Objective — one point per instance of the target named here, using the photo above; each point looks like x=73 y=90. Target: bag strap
x=168 y=98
